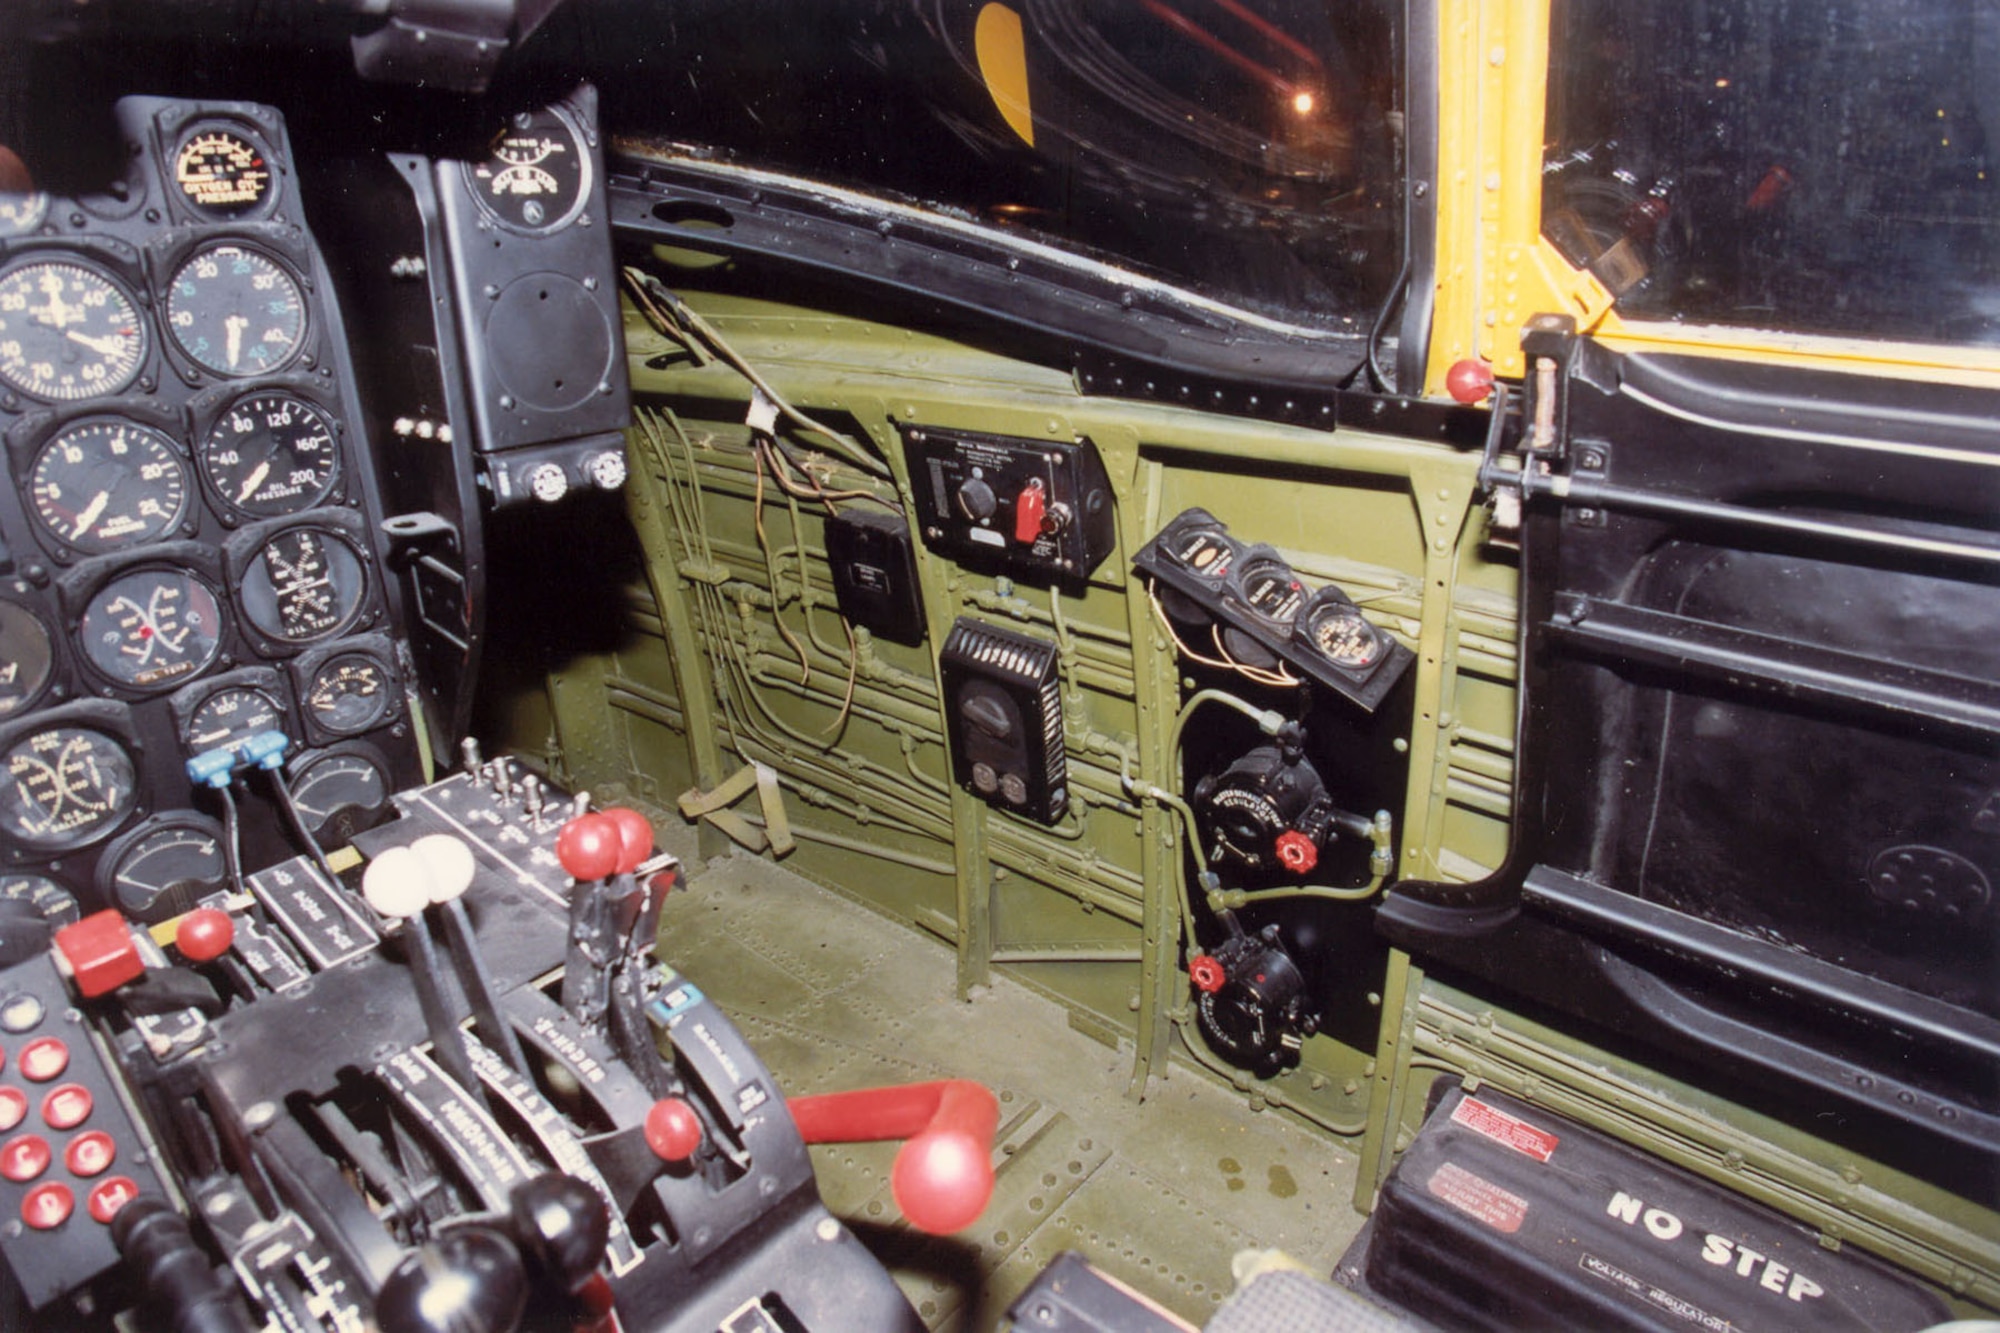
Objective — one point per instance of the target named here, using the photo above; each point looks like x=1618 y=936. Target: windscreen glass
x=1817 y=166
x=1245 y=150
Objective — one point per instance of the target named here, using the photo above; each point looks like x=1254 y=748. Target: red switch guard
x=943 y=1176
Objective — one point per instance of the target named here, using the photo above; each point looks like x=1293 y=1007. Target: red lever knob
x=1296 y=851
x=635 y=837
x=1469 y=381
x=673 y=1130
x=1031 y=506
x=101 y=952
x=590 y=846
x=943 y=1177
x=204 y=934
x=1207 y=973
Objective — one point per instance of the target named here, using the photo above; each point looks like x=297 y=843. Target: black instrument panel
x=190 y=541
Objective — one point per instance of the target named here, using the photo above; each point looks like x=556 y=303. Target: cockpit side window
x=1248 y=151
x=1812 y=166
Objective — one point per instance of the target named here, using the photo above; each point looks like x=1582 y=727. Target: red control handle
x=943 y=1177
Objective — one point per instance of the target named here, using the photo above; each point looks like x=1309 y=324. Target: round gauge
x=304 y=584
x=101 y=485
x=1208 y=554
x=227 y=719
x=536 y=174
x=21 y=211
x=56 y=904
x=236 y=311
x=66 y=786
x=340 y=791
x=27 y=657
x=165 y=867
x=151 y=627
x=221 y=174
x=349 y=693
x=1271 y=589
x=1338 y=633
x=270 y=455
x=68 y=332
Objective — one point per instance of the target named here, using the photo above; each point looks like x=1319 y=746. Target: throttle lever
x=943 y=1177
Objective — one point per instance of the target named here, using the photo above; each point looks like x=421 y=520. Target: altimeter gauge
x=68 y=332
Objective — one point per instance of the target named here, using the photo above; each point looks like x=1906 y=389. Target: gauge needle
x=235 y=324
x=91 y=513
x=109 y=345
x=257 y=474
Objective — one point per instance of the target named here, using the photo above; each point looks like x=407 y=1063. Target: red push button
x=13 y=1108
x=101 y=952
x=44 y=1058
x=67 y=1107
x=1030 y=507
x=24 y=1158
x=111 y=1195
x=89 y=1154
x=48 y=1206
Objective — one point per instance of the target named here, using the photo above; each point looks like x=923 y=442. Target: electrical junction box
x=875 y=573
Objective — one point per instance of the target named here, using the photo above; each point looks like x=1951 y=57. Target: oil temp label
x=1478 y=1198
x=1509 y=1131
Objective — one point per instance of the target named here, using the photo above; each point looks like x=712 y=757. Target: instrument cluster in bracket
x=188 y=552
x=1247 y=600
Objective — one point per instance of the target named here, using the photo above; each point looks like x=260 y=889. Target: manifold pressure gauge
x=68 y=332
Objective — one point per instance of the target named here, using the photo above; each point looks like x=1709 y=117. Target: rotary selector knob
x=976 y=499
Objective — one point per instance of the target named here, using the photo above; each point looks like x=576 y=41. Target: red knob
x=1206 y=973
x=673 y=1130
x=590 y=846
x=204 y=934
x=635 y=837
x=101 y=952
x=1296 y=851
x=1030 y=507
x=1469 y=381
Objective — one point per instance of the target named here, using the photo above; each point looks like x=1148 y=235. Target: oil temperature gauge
x=349 y=694
x=236 y=311
x=1334 y=628
x=304 y=583
x=165 y=866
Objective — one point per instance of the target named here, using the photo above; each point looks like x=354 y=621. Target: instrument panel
x=189 y=556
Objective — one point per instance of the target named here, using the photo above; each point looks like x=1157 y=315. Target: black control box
x=1039 y=509
x=875 y=573
x=1003 y=703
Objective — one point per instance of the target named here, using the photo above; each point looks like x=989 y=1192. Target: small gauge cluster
x=189 y=559
x=1246 y=605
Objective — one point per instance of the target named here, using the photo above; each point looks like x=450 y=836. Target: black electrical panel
x=1247 y=601
x=1039 y=509
x=875 y=573
x=1004 y=704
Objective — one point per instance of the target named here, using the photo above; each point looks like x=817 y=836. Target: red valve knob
x=1296 y=852
x=100 y=952
x=673 y=1130
x=943 y=1177
x=1031 y=506
x=590 y=846
x=204 y=934
x=635 y=837
x=1206 y=973
x=1469 y=381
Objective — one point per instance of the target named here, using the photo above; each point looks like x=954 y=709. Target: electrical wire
x=1280 y=679
x=232 y=840
x=298 y=822
x=1389 y=304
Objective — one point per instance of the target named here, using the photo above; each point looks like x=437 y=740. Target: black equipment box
x=875 y=573
x=1003 y=707
x=1039 y=509
x=1503 y=1216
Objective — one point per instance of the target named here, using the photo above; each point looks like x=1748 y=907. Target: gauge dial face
x=68 y=332
x=1271 y=589
x=65 y=786
x=236 y=311
x=1340 y=634
x=270 y=455
x=22 y=212
x=304 y=584
x=56 y=904
x=103 y=485
x=1207 y=554
x=151 y=627
x=221 y=174
x=536 y=174
x=349 y=694
x=27 y=657
x=228 y=719
x=341 y=791
x=168 y=868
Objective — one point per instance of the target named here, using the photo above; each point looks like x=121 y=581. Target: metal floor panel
x=1160 y=1194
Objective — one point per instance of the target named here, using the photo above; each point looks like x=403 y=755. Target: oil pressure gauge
x=271 y=454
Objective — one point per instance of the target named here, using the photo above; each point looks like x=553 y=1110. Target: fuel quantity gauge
x=64 y=786
x=151 y=627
